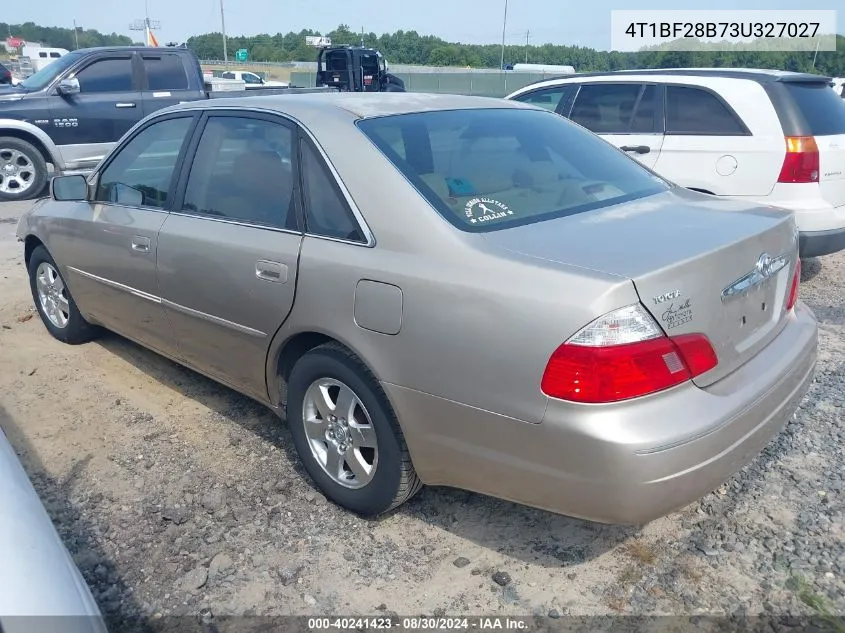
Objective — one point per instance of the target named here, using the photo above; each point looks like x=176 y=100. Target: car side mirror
x=68 y=87
x=67 y=188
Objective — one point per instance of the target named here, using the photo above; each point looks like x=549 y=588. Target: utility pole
x=504 y=27
x=223 y=25
x=75 y=33
x=816 y=54
x=362 y=37
x=527 y=37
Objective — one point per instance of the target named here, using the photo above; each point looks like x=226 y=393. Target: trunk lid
x=693 y=260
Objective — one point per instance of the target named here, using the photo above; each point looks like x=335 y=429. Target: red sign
x=14 y=42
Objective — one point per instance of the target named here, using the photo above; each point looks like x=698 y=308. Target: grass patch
x=819 y=604
x=641 y=552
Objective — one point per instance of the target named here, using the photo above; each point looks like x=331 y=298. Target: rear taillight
x=792 y=299
x=801 y=163
x=623 y=355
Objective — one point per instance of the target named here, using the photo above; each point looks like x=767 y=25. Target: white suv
x=770 y=136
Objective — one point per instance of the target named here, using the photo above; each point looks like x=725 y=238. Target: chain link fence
x=483 y=82
x=479 y=83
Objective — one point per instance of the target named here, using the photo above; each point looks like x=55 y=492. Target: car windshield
x=43 y=77
x=821 y=108
x=489 y=169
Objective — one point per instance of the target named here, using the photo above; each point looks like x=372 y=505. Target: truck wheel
x=23 y=170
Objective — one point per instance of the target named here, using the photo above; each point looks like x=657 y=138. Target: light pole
x=223 y=26
x=504 y=27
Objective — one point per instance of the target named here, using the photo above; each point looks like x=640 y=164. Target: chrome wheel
x=52 y=295
x=340 y=433
x=17 y=173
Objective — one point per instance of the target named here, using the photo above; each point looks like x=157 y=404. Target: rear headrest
x=260 y=166
x=536 y=174
x=586 y=111
x=626 y=109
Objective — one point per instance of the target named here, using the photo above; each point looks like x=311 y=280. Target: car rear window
x=489 y=169
x=822 y=110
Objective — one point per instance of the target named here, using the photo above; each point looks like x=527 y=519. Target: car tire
x=329 y=369
x=54 y=302
x=30 y=178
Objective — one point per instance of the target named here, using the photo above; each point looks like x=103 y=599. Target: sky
x=579 y=22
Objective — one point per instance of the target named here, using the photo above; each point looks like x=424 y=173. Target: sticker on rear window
x=480 y=210
x=460 y=187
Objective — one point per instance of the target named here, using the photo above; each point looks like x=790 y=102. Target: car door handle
x=124 y=105
x=271 y=271
x=141 y=244
x=639 y=149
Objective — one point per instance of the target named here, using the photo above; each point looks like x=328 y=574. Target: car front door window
x=106 y=75
x=606 y=108
x=549 y=98
x=141 y=173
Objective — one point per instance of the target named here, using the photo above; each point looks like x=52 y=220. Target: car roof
x=760 y=75
x=353 y=104
x=123 y=49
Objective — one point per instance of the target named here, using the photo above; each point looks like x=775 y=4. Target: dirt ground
x=175 y=494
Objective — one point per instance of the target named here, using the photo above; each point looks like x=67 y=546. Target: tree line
x=409 y=47
x=59 y=37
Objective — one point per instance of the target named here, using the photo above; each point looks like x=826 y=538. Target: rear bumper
x=813 y=214
x=623 y=463
x=819 y=243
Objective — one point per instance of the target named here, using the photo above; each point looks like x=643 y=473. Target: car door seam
x=267 y=377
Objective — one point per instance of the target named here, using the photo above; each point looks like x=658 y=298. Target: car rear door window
x=141 y=172
x=166 y=72
x=606 y=108
x=106 y=75
x=326 y=212
x=242 y=170
x=643 y=121
x=822 y=110
x=490 y=169
x=692 y=110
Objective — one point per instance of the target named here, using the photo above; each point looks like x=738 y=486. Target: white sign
x=317 y=40
x=735 y=30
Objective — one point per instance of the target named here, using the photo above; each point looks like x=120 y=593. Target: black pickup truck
x=68 y=115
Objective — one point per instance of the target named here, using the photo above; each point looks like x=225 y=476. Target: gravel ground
x=175 y=495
